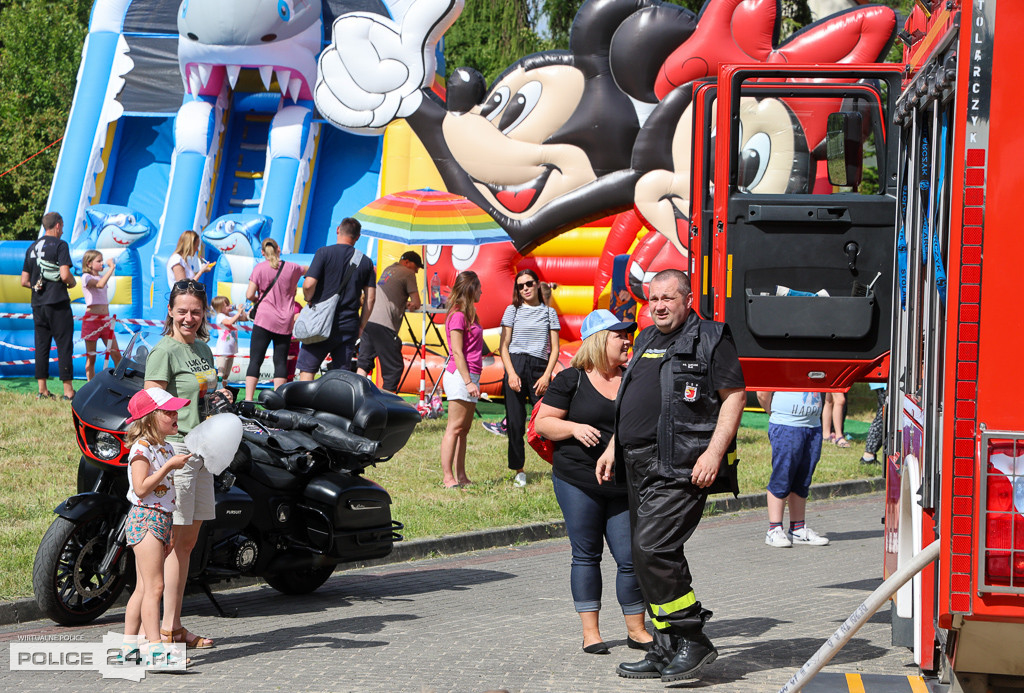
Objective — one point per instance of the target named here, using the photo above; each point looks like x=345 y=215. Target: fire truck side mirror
x=844 y=149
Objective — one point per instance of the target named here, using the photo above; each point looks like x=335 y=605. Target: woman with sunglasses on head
x=529 y=352
x=187 y=262
x=182 y=363
x=578 y=415
x=461 y=377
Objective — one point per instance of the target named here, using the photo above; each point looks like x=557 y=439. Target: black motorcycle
x=291 y=506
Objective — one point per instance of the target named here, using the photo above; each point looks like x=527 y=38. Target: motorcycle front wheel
x=65 y=576
x=300 y=581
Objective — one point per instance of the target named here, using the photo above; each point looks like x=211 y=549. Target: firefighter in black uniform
x=670 y=454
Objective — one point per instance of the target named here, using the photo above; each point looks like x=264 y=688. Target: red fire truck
x=822 y=291
x=956 y=472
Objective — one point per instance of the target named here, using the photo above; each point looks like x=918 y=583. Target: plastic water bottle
x=435 y=291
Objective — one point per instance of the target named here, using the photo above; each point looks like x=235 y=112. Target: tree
x=560 y=13
x=40 y=51
x=490 y=35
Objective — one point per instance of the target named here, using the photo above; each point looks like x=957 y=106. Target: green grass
x=39 y=463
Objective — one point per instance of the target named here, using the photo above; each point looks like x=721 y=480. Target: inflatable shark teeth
x=204 y=70
x=283 y=79
x=195 y=84
x=294 y=86
x=233 y=72
x=267 y=75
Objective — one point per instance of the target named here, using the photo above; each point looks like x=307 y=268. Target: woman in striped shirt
x=529 y=352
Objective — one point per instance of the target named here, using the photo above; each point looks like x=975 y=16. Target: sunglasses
x=190 y=285
x=526 y=285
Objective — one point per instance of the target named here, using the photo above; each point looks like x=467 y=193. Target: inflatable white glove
x=375 y=67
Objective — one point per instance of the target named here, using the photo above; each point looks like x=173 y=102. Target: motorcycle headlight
x=106 y=446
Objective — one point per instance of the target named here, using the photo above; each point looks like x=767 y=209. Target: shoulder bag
x=263 y=294
x=316 y=319
x=544 y=447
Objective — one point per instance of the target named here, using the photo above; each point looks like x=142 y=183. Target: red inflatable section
x=624 y=231
x=494 y=263
x=741 y=31
x=563 y=270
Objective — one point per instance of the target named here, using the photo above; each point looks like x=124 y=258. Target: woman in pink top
x=462 y=376
x=275 y=282
x=97 y=323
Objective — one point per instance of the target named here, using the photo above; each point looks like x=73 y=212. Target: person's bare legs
x=305 y=376
x=250 y=387
x=776 y=508
x=149 y=553
x=460 y=450
x=278 y=382
x=114 y=351
x=90 y=359
x=797 y=508
x=133 y=610
x=826 y=418
x=453 y=444
x=838 y=411
x=591 y=632
x=636 y=628
x=43 y=389
x=176 y=573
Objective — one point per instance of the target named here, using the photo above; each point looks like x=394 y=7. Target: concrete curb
x=22 y=610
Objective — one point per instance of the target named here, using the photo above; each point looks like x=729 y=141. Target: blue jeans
x=589 y=519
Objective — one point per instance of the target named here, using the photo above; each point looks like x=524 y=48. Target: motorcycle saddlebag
x=348 y=517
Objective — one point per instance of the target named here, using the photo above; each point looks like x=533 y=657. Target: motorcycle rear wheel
x=300 y=581
x=67 y=586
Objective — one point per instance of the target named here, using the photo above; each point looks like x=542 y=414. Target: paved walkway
x=503 y=619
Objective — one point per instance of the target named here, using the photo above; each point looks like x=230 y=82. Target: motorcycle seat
x=354 y=404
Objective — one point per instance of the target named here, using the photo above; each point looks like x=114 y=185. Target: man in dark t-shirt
x=671 y=454
x=47 y=272
x=324 y=278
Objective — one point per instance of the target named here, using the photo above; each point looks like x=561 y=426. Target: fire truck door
x=805 y=271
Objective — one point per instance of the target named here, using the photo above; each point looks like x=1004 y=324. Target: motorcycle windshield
x=136 y=353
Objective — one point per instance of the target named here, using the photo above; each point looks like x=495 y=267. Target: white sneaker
x=520 y=480
x=776 y=538
x=808 y=537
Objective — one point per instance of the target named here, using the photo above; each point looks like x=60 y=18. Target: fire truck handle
x=852 y=251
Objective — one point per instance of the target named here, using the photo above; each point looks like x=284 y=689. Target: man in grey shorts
x=396 y=293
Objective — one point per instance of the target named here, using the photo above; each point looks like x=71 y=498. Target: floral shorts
x=142 y=519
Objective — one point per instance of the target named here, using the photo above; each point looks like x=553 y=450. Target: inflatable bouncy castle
x=249 y=119
x=195 y=115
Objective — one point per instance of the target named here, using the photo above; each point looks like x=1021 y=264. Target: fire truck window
x=783 y=149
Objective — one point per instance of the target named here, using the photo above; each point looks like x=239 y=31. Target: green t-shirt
x=188 y=370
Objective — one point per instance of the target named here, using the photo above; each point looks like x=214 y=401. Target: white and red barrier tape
x=113 y=319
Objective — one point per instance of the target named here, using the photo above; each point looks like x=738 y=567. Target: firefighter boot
x=695 y=650
x=662 y=650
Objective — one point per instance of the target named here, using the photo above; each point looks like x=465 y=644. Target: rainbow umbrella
x=429 y=217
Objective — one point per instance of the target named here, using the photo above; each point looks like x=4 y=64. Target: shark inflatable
x=237 y=238
x=115 y=231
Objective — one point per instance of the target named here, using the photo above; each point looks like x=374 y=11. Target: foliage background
x=41 y=44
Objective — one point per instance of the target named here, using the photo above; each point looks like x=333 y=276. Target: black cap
x=413 y=257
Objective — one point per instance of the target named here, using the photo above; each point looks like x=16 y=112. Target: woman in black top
x=578 y=414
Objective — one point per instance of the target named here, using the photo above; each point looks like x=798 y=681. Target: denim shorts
x=795 y=454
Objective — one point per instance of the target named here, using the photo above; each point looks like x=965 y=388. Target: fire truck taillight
x=1004 y=522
